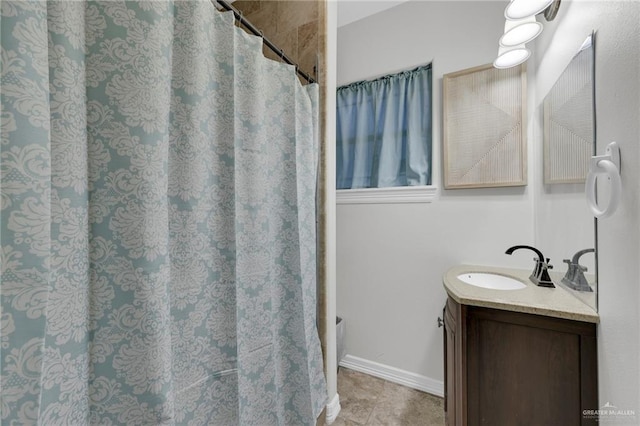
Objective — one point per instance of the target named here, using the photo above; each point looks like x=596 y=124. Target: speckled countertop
x=551 y=302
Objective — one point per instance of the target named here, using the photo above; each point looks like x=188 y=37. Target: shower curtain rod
x=248 y=25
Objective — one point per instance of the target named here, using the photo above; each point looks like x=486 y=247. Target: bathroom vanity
x=525 y=357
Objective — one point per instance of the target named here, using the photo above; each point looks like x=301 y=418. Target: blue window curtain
x=384 y=131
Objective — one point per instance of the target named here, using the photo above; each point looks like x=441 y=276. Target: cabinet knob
x=440 y=322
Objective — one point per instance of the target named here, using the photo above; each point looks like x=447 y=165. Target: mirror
x=569 y=121
x=569 y=143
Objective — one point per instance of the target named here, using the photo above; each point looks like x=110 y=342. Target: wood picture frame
x=485 y=127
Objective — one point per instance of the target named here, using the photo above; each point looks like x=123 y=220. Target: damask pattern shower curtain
x=158 y=220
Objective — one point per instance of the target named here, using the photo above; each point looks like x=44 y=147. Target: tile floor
x=368 y=400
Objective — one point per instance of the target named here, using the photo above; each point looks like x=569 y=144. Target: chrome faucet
x=574 y=277
x=540 y=275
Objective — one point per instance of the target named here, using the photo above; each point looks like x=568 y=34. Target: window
x=384 y=131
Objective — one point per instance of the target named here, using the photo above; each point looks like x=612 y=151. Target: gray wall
x=391 y=257
x=618 y=119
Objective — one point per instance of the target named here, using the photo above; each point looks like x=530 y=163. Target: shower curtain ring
x=239 y=18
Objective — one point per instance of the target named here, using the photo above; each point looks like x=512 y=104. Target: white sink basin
x=492 y=281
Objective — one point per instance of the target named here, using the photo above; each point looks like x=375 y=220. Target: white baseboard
x=333 y=409
x=393 y=374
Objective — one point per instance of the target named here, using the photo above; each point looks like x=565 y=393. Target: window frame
x=388 y=195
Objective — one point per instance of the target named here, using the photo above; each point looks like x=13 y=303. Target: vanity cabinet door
x=454 y=383
x=528 y=369
x=507 y=368
x=449 y=374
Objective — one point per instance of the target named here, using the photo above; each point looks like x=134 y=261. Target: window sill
x=394 y=195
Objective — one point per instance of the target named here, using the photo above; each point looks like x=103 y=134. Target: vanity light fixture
x=521 y=27
x=520 y=31
x=520 y=9
x=511 y=56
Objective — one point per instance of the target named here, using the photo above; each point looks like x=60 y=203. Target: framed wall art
x=484 y=127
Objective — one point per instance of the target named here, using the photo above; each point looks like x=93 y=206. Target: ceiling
x=353 y=10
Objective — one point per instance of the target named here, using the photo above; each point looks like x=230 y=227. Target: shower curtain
x=158 y=220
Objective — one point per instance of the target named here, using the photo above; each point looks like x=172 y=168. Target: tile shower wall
x=294 y=26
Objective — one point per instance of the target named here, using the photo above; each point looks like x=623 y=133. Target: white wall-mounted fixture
x=511 y=56
x=605 y=165
x=521 y=27
x=520 y=9
x=520 y=31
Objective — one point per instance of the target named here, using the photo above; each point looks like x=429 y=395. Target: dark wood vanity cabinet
x=509 y=368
